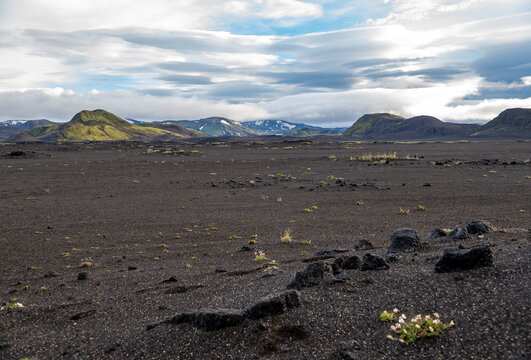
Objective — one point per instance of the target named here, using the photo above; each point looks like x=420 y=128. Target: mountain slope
x=173 y=128
x=373 y=124
x=394 y=127
x=272 y=127
x=216 y=126
x=97 y=125
x=510 y=123
x=10 y=128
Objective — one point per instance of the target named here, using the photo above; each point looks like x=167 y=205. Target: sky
x=320 y=62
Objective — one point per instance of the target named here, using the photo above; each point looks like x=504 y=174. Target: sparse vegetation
x=417 y=328
x=285 y=238
x=259 y=256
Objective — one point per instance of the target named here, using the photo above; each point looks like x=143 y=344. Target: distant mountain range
x=101 y=125
x=511 y=123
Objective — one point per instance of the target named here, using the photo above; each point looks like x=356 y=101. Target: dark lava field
x=149 y=250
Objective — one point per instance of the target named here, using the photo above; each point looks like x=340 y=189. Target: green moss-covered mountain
x=101 y=125
x=510 y=123
x=304 y=132
x=217 y=126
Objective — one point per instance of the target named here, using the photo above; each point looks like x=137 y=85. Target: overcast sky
x=322 y=62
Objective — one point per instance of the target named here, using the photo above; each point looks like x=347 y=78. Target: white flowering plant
x=417 y=328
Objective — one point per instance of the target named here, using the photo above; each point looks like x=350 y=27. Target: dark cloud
x=509 y=92
x=313 y=79
x=241 y=90
x=187 y=79
x=507 y=63
x=434 y=74
x=178 y=66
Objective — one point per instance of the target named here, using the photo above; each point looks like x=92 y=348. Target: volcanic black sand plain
x=162 y=229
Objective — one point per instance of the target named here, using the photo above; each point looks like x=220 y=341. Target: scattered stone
x=274 y=304
x=454 y=260
x=246 y=248
x=341 y=278
x=82 y=275
x=459 y=277
x=349 y=350
x=51 y=274
x=458 y=233
x=330 y=252
x=426 y=184
x=435 y=234
x=363 y=245
x=170 y=279
x=310 y=276
x=373 y=262
x=220 y=270
x=391 y=257
x=215 y=319
x=350 y=263
x=82 y=315
x=131 y=268
x=404 y=240
x=271 y=272
x=479 y=227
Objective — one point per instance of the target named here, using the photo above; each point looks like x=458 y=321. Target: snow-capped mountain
x=271 y=127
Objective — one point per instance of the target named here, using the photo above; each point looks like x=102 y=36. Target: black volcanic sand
x=146 y=212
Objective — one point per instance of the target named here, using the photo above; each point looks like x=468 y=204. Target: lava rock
x=274 y=304
x=479 y=227
x=131 y=268
x=404 y=240
x=210 y=320
x=310 y=276
x=435 y=234
x=363 y=245
x=82 y=275
x=51 y=274
x=454 y=260
x=220 y=270
x=350 y=263
x=329 y=252
x=458 y=233
x=349 y=350
x=373 y=262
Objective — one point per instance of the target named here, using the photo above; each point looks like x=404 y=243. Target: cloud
x=60 y=105
x=187 y=79
x=456 y=60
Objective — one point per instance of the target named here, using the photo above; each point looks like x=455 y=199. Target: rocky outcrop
x=454 y=260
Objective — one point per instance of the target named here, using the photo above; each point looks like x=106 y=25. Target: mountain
x=23 y=137
x=273 y=127
x=216 y=126
x=510 y=123
x=394 y=127
x=10 y=128
x=304 y=132
x=371 y=124
x=99 y=125
x=173 y=128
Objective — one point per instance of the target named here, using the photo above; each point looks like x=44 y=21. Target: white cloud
x=60 y=105
x=278 y=9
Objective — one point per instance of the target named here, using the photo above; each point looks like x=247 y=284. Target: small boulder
x=373 y=262
x=310 y=276
x=350 y=263
x=404 y=240
x=435 y=234
x=274 y=304
x=363 y=245
x=454 y=260
x=349 y=350
x=457 y=233
x=82 y=275
x=209 y=320
x=479 y=227
x=51 y=274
